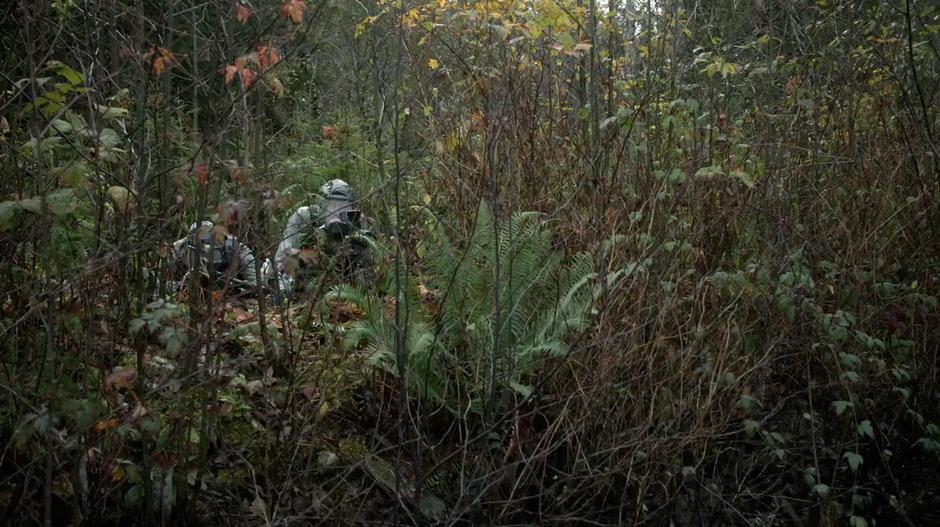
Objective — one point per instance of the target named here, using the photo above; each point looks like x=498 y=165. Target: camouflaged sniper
x=328 y=225
x=198 y=250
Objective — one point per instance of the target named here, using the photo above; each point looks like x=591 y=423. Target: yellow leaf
x=433 y=64
x=123 y=198
x=276 y=87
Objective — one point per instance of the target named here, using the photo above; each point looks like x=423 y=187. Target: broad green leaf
x=565 y=40
x=521 y=389
x=71 y=174
x=751 y=427
x=74 y=77
x=850 y=376
x=111 y=112
x=8 y=210
x=840 y=406
x=865 y=429
x=709 y=171
x=822 y=490
x=858 y=521
x=76 y=121
x=109 y=137
x=743 y=177
x=854 y=460
x=59 y=126
x=850 y=360
x=60 y=202
x=46 y=144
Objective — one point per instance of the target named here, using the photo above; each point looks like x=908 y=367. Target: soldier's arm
x=299 y=221
x=246 y=270
x=180 y=262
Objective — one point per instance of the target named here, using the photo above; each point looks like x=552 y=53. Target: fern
x=543 y=302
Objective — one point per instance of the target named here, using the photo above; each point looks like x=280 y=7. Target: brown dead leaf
x=792 y=85
x=160 y=60
x=140 y=411
x=252 y=387
x=478 y=120
x=107 y=425
x=242 y=316
x=310 y=391
x=121 y=378
x=309 y=256
x=346 y=311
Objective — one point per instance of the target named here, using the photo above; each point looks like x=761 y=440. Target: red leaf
x=293 y=10
x=230 y=71
x=268 y=56
x=202 y=174
x=164 y=461
x=242 y=13
x=248 y=77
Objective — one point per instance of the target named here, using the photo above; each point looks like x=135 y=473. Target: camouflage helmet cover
x=337 y=189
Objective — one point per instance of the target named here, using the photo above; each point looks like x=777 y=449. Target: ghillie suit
x=325 y=243
x=218 y=260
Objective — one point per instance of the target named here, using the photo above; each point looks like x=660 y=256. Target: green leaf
x=60 y=126
x=840 y=406
x=751 y=427
x=74 y=77
x=865 y=429
x=565 y=40
x=854 y=460
x=822 y=490
x=8 y=210
x=71 y=174
x=521 y=389
x=858 y=521
x=134 y=495
x=743 y=177
x=48 y=143
x=60 y=202
x=850 y=376
x=109 y=137
x=850 y=361
x=111 y=112
x=709 y=171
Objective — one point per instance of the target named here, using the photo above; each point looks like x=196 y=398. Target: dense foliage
x=668 y=263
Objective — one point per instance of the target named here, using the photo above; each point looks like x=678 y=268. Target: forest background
x=661 y=262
